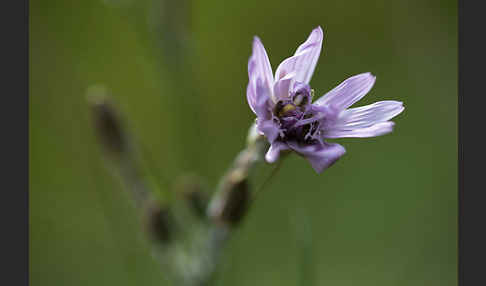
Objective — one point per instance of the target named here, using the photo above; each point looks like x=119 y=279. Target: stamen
x=312 y=119
x=298 y=99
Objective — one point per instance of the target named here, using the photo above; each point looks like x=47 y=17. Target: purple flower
x=290 y=120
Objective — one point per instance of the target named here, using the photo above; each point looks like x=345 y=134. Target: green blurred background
x=385 y=214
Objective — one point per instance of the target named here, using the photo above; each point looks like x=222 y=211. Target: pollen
x=285 y=109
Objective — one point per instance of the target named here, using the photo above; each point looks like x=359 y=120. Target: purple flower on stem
x=290 y=120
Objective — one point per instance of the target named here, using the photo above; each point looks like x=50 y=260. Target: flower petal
x=304 y=61
x=377 y=129
x=262 y=108
x=251 y=96
x=348 y=92
x=365 y=121
x=366 y=116
x=261 y=105
x=320 y=156
x=269 y=128
x=259 y=68
x=281 y=88
x=273 y=152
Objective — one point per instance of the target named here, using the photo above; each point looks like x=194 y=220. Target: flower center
x=296 y=117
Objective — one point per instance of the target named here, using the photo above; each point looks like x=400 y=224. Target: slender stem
x=267 y=180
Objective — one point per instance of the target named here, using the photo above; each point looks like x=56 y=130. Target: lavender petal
x=251 y=96
x=269 y=128
x=320 y=156
x=273 y=152
x=281 y=89
x=259 y=68
x=304 y=61
x=369 y=115
x=372 y=131
x=348 y=92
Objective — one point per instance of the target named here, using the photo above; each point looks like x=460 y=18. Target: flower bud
x=159 y=223
x=107 y=122
x=232 y=203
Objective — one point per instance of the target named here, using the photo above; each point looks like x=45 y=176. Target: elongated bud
x=159 y=223
x=237 y=201
x=118 y=145
x=232 y=203
x=107 y=122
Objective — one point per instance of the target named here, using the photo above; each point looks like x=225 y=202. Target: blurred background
x=384 y=214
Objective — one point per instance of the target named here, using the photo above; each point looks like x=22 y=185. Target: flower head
x=290 y=120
